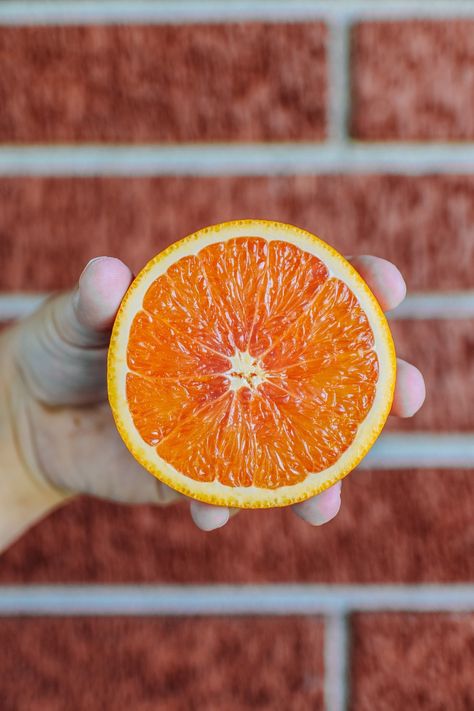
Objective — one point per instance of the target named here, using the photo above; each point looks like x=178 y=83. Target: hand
x=71 y=437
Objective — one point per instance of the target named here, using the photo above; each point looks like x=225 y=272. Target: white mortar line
x=336 y=662
x=338 y=82
x=181 y=11
x=435 y=305
x=15 y=306
x=421 y=450
x=277 y=599
x=213 y=159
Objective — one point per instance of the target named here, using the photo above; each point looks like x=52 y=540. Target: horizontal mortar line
x=421 y=450
x=435 y=305
x=181 y=11
x=18 y=305
x=273 y=599
x=234 y=159
x=427 y=305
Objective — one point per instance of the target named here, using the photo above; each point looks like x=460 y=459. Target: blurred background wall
x=124 y=127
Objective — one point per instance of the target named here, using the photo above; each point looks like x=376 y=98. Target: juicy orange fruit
x=250 y=365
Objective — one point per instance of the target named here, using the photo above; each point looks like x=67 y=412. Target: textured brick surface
x=143 y=84
x=252 y=82
x=413 y=80
x=444 y=352
x=393 y=527
x=49 y=228
x=421 y=662
x=145 y=664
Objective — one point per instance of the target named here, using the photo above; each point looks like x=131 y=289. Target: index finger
x=383 y=278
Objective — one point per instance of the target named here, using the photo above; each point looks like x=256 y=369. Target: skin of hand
x=59 y=388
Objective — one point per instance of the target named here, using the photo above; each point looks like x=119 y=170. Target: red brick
x=444 y=352
x=49 y=228
x=149 y=663
x=405 y=526
x=248 y=82
x=412 y=661
x=413 y=80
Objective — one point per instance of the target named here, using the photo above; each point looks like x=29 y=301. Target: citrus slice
x=250 y=365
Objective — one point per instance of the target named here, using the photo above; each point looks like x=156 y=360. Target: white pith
x=246 y=372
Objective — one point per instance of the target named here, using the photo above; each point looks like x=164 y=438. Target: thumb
x=62 y=348
x=102 y=286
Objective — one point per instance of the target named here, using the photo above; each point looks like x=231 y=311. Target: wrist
x=25 y=495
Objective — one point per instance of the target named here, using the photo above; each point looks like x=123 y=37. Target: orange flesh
x=250 y=365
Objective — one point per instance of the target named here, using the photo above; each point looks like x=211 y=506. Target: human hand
x=61 y=394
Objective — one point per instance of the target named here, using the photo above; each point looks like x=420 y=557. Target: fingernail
x=77 y=295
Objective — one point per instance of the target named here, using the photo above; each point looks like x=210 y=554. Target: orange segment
x=155 y=417
x=159 y=350
x=292 y=281
x=250 y=365
x=333 y=324
x=182 y=298
x=236 y=273
x=213 y=446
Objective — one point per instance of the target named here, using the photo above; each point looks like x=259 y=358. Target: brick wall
x=120 y=137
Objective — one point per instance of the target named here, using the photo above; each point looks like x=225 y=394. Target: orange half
x=250 y=365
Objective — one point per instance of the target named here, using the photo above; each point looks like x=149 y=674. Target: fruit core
x=246 y=371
